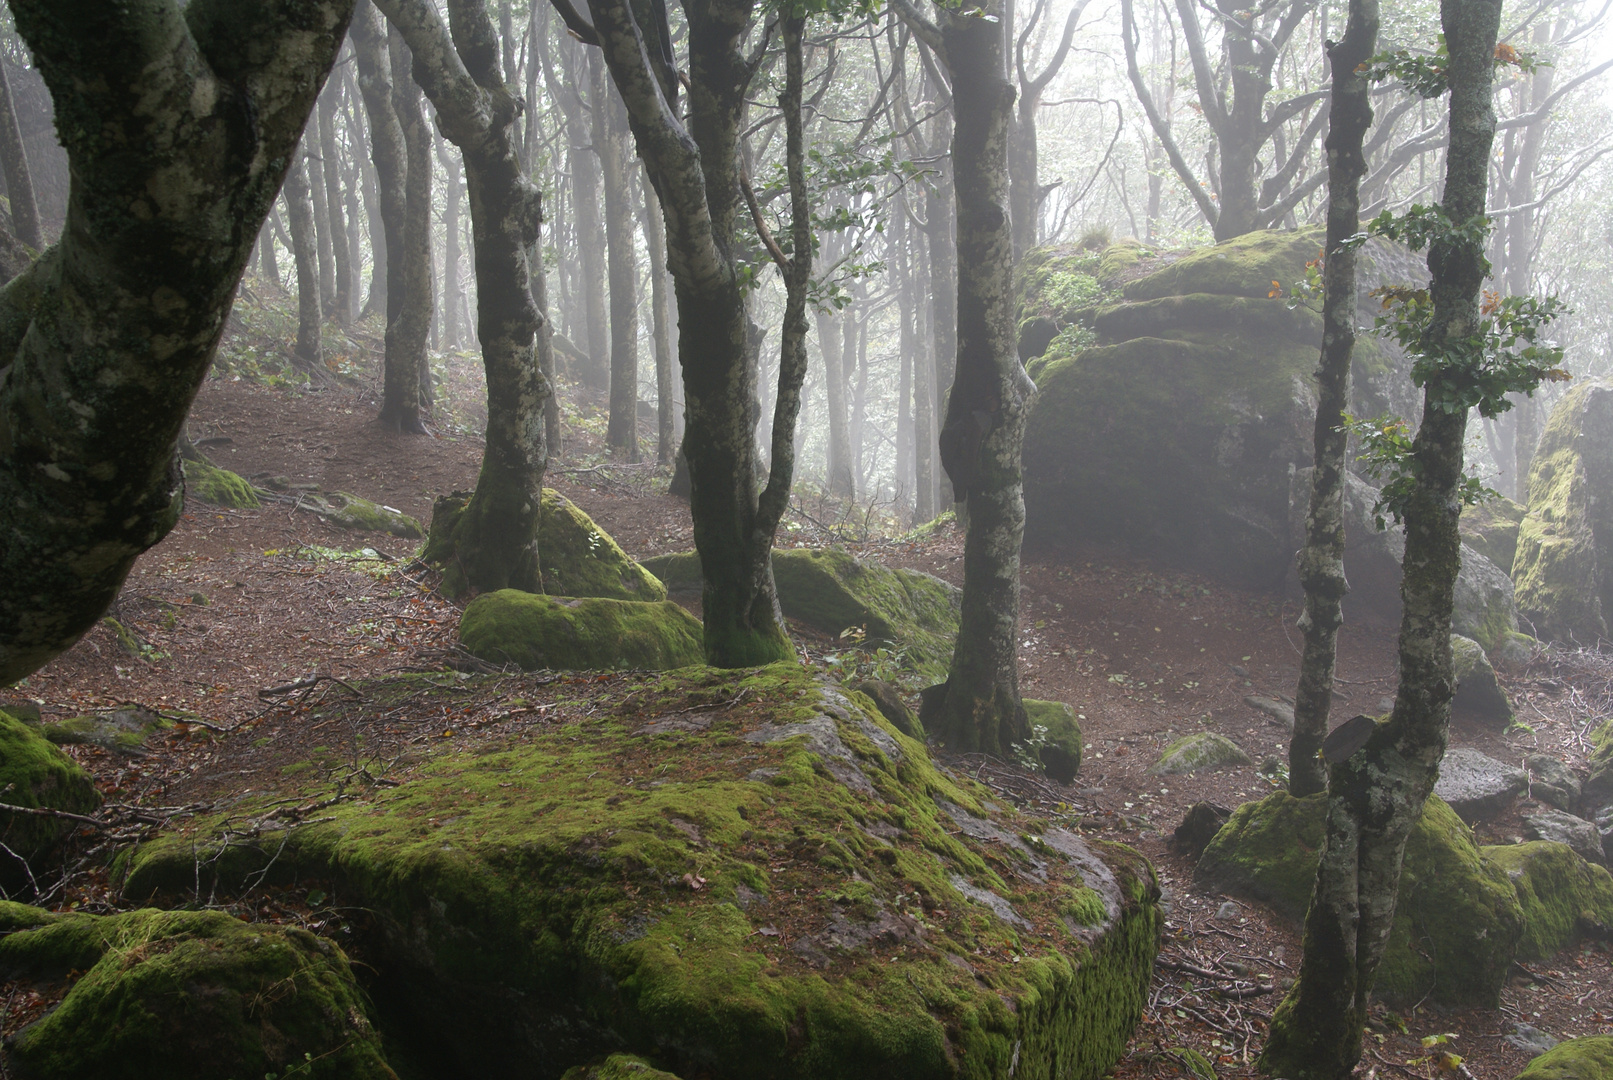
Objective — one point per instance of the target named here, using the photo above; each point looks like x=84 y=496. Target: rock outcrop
x=533 y=631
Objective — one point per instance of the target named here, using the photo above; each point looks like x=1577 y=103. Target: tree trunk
x=1376 y=793
x=495 y=540
x=585 y=196
x=1321 y=561
x=666 y=444
x=990 y=399
x=838 y=448
x=410 y=329
x=305 y=249
x=19 y=180
x=107 y=337
x=451 y=285
x=342 y=296
x=312 y=150
x=615 y=158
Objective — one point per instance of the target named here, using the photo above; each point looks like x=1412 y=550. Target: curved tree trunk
x=105 y=340
x=1321 y=561
x=1376 y=792
x=495 y=540
x=305 y=249
x=19 y=180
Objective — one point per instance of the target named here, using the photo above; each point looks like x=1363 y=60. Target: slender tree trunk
x=313 y=149
x=1376 y=793
x=991 y=397
x=838 y=447
x=1321 y=560
x=494 y=541
x=450 y=247
x=543 y=347
x=271 y=268
x=305 y=248
x=666 y=444
x=590 y=229
x=109 y=334
x=940 y=210
x=924 y=435
x=19 y=179
x=906 y=349
x=611 y=143
x=412 y=326
x=342 y=296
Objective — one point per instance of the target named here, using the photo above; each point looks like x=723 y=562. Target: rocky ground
x=253 y=624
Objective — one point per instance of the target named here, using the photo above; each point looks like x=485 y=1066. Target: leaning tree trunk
x=305 y=249
x=1321 y=561
x=989 y=402
x=106 y=338
x=493 y=543
x=19 y=179
x=1376 y=793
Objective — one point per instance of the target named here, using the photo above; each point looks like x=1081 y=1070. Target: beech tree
x=178 y=149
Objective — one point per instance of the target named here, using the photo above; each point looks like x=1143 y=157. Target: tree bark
x=495 y=539
x=304 y=248
x=451 y=285
x=19 y=179
x=1025 y=194
x=312 y=150
x=611 y=144
x=412 y=326
x=1321 y=560
x=184 y=141
x=666 y=443
x=585 y=196
x=1376 y=793
x=342 y=295
x=991 y=395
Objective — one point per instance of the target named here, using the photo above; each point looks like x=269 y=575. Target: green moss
x=352 y=512
x=611 y=884
x=35 y=773
x=198 y=994
x=618 y=1067
x=532 y=631
x=1201 y=750
x=1245 y=266
x=1060 y=738
x=211 y=484
x=1121 y=258
x=1457 y=922
x=1478 y=693
x=1588 y=1058
x=1491 y=529
x=1209 y=312
x=124 y=731
x=1562 y=895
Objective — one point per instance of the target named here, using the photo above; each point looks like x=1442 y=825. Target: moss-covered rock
x=1561 y=569
x=832 y=590
x=122 y=731
x=1201 y=750
x=211 y=484
x=1478 y=692
x=1457 y=920
x=1058 y=742
x=1491 y=529
x=1597 y=791
x=783 y=886
x=1178 y=433
x=1563 y=897
x=1588 y=1058
x=579 y=558
x=618 y=1067
x=347 y=511
x=197 y=994
x=533 y=631
x=34 y=773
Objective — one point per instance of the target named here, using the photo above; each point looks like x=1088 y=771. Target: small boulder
x=1199 y=826
x=211 y=484
x=197 y=994
x=1491 y=529
x=1588 y=1058
x=1202 y=750
x=1513 y=652
x=33 y=773
x=1528 y=1038
x=1477 y=787
x=1058 y=739
x=533 y=632
x=1551 y=781
x=619 y=1067
x=1563 y=897
x=347 y=511
x=1561 y=828
x=1280 y=711
x=887 y=697
x=1478 y=694
x=123 y=731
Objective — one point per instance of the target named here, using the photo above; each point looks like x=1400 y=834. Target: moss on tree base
x=730 y=875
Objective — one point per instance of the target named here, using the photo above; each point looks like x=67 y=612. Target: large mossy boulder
x=1565 y=542
x=732 y=875
x=1176 y=434
x=211 y=484
x=1491 y=529
x=1564 y=898
x=533 y=631
x=578 y=557
x=1588 y=1058
x=197 y=994
x=832 y=590
x=1458 y=921
x=35 y=773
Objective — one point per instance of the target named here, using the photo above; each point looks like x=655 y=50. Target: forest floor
x=246 y=621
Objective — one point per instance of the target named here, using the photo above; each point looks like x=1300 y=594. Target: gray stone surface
x=1205 y=750
x=1551 y=781
x=1576 y=832
x=1478 y=694
x=1477 y=787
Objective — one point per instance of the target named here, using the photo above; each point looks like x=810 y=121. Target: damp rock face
x=1174 y=428
x=1461 y=907
x=908 y=611
x=1477 y=786
x=1565 y=542
x=732 y=874
x=194 y=993
x=535 y=632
